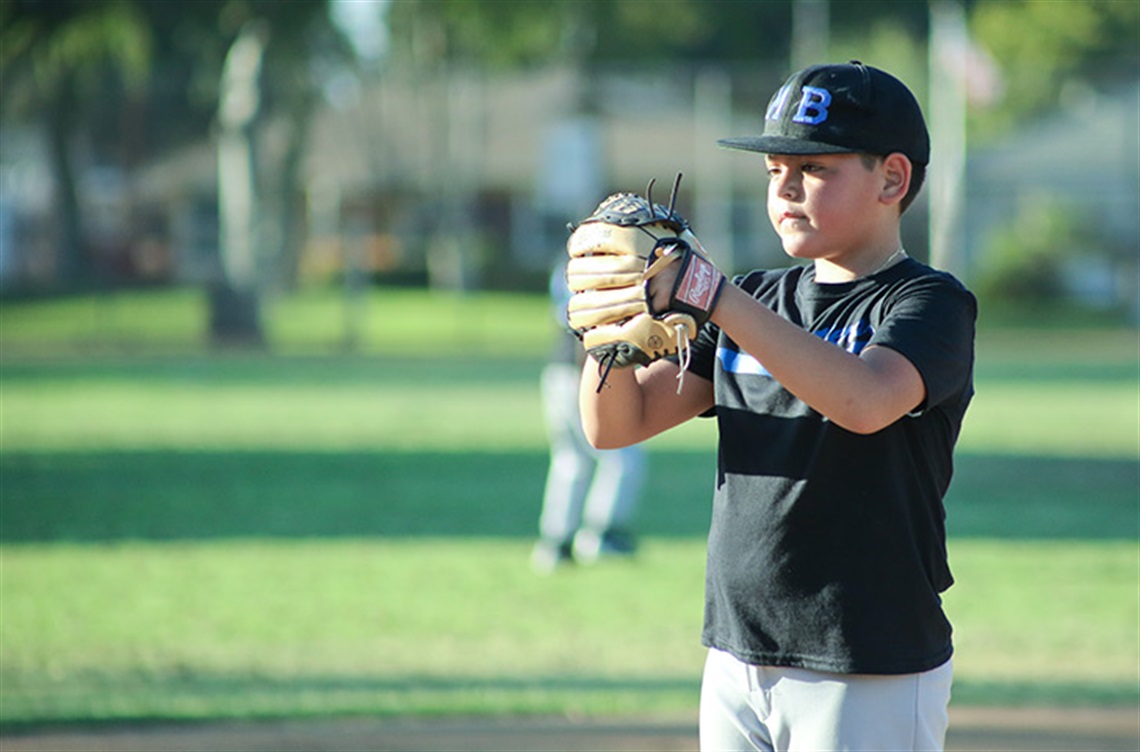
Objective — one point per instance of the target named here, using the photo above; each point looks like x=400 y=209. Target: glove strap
x=698 y=286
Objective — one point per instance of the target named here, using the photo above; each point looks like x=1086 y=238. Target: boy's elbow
x=599 y=440
x=865 y=422
x=592 y=433
x=599 y=433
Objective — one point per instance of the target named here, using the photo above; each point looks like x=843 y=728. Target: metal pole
x=712 y=100
x=237 y=204
x=811 y=25
x=947 y=122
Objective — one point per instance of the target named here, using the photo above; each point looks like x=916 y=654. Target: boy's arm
x=861 y=393
x=638 y=403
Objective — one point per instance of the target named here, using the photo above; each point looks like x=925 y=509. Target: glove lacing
x=605 y=365
x=684 y=352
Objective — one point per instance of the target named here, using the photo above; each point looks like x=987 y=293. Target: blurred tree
x=1048 y=50
x=298 y=37
x=526 y=33
x=59 y=60
x=1025 y=258
x=1044 y=48
x=54 y=57
x=615 y=32
x=68 y=62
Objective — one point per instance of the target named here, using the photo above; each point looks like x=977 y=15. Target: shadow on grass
x=216 y=696
x=99 y=497
x=110 y=698
x=1045 y=693
x=1044 y=498
x=275 y=371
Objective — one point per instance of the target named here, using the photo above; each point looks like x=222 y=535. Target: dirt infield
x=972 y=730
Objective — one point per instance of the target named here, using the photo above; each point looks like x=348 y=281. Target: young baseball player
x=839 y=387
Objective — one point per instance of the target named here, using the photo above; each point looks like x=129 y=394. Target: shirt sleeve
x=931 y=323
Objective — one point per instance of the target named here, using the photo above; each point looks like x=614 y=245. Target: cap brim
x=782 y=145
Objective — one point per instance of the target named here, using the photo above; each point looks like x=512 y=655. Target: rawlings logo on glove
x=613 y=254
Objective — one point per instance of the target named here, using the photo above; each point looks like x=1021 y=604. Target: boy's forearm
x=860 y=393
x=611 y=414
x=639 y=403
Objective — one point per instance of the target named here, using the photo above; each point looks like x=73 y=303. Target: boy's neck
x=849 y=269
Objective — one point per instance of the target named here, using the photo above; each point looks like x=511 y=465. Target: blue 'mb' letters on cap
x=813 y=106
x=778 y=102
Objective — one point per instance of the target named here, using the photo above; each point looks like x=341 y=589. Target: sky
x=363 y=22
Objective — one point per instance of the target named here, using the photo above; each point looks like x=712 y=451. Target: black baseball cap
x=839 y=109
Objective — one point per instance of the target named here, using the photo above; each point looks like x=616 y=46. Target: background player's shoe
x=549 y=555
x=589 y=546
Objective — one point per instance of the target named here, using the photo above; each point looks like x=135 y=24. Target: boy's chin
x=798 y=250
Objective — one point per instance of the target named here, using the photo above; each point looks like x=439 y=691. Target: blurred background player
x=590 y=494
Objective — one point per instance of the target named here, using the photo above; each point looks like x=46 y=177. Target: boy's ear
x=896 y=173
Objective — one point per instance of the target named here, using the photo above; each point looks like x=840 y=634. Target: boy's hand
x=692 y=285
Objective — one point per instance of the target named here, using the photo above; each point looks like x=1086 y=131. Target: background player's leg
x=570 y=470
x=610 y=504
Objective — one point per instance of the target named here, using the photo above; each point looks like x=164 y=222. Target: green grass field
x=192 y=535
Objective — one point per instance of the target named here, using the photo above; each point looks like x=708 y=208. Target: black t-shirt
x=827 y=549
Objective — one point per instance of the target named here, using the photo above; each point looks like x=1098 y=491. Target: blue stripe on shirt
x=852 y=339
x=735 y=361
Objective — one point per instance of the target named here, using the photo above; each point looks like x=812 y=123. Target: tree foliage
x=44 y=41
x=526 y=33
x=1042 y=48
x=55 y=56
x=1046 y=49
x=134 y=79
x=90 y=71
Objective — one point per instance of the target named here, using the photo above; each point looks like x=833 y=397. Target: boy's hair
x=917 y=178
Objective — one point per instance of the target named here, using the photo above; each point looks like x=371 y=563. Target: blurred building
x=1082 y=161
x=462 y=180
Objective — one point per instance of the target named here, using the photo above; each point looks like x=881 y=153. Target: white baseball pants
x=747 y=708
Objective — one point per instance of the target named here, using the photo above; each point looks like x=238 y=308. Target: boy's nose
x=788 y=186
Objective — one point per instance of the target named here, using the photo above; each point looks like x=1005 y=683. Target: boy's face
x=824 y=206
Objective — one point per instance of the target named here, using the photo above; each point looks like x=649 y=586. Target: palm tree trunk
x=72 y=262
